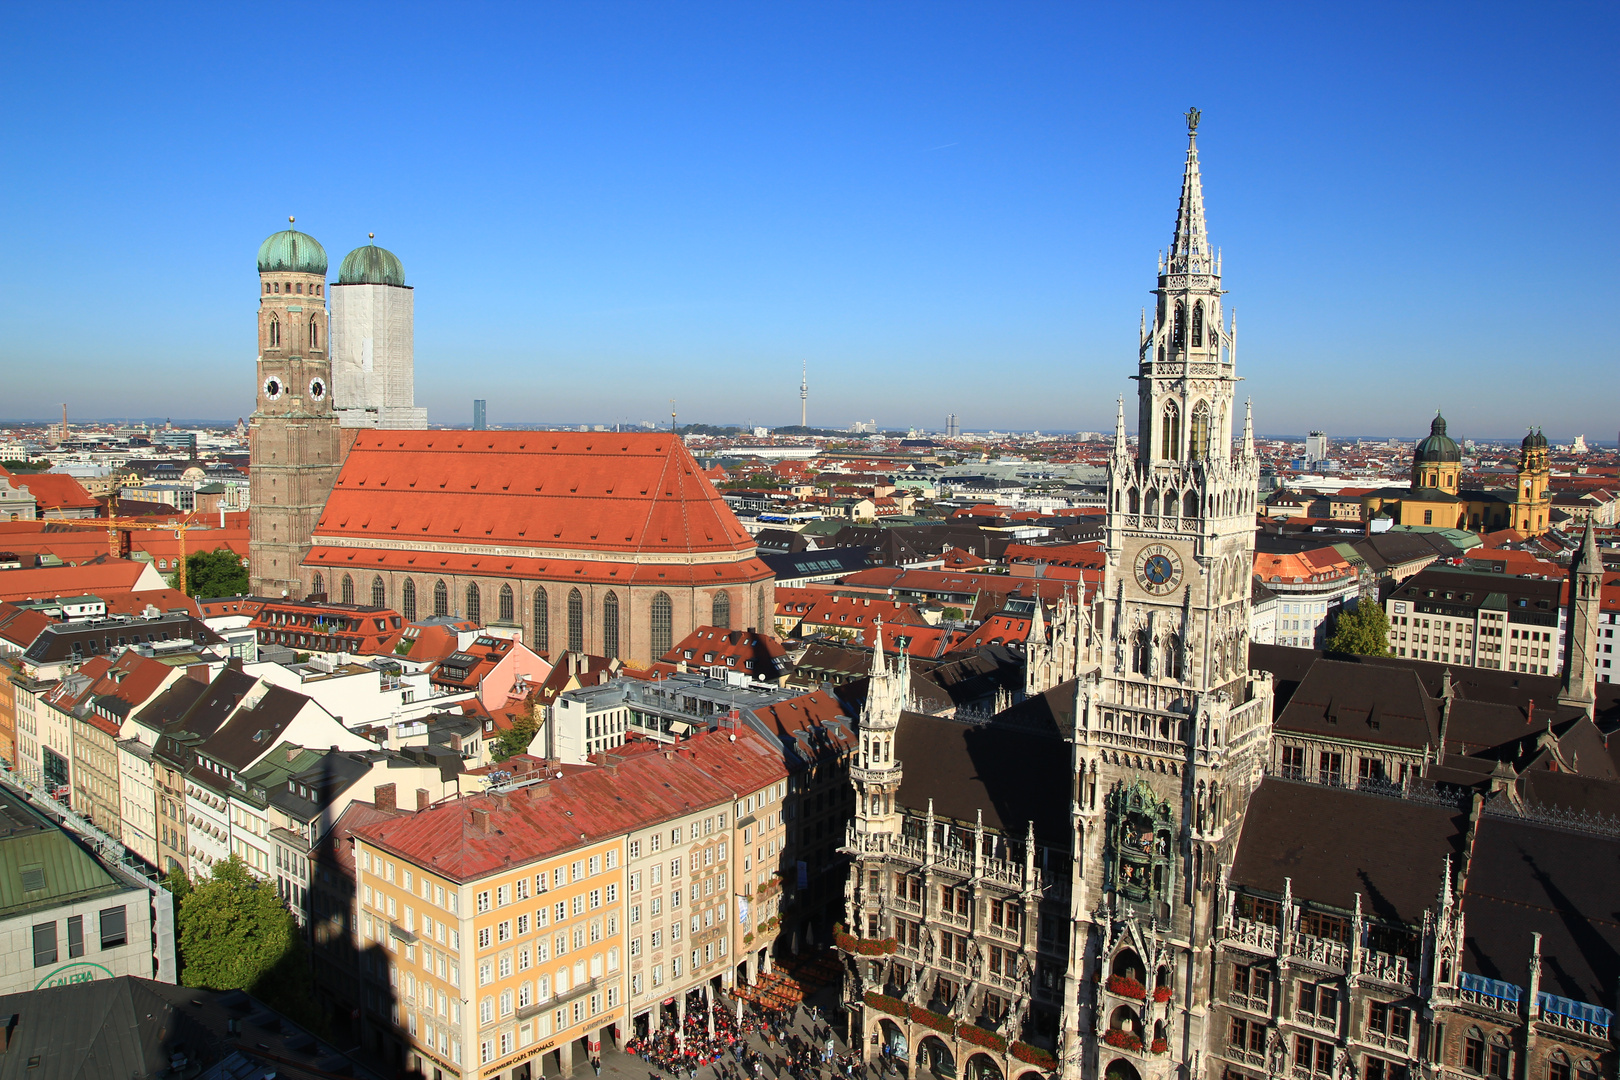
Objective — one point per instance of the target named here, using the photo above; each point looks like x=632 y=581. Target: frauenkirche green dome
x=293 y=252
x=371 y=265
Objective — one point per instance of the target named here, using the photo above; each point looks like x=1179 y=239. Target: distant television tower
x=804 y=395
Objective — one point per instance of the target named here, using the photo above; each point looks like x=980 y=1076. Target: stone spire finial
x=1119 y=428
x=1189 y=250
x=879 y=668
x=1248 y=428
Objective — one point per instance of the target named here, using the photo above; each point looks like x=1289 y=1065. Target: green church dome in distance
x=371 y=265
x=1438 y=447
x=293 y=252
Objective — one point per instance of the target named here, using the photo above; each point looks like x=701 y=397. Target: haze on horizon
x=942 y=208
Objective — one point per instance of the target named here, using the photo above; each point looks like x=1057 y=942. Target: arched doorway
x=1120 y=1069
x=894 y=1041
x=981 y=1067
x=936 y=1057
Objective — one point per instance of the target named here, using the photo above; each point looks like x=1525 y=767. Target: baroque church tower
x=294 y=445
x=1171 y=730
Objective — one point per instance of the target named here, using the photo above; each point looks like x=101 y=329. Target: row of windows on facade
x=273 y=332
x=114 y=934
x=663 y=611
x=291 y=287
x=1221 y=504
x=508 y=1042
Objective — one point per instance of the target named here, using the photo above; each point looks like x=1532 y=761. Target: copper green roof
x=1438 y=447
x=293 y=252
x=371 y=265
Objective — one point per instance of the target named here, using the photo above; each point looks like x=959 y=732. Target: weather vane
x=1192 y=119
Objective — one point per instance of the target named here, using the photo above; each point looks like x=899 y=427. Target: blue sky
x=942 y=208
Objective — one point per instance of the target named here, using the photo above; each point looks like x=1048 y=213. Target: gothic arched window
x=505 y=603
x=722 y=611
x=379 y=595
x=1198 y=325
x=275 y=332
x=1189 y=506
x=314 y=333
x=663 y=625
x=441 y=598
x=610 y=625
x=317 y=584
x=1170 y=433
x=1141 y=653
x=346 y=589
x=1136 y=502
x=1178 y=333
x=475 y=604
x=1151 y=506
x=407 y=600
x=1172 y=657
x=1199 y=448
x=542 y=621
x=576 y=621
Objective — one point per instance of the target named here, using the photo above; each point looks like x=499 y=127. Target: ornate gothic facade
x=1126 y=876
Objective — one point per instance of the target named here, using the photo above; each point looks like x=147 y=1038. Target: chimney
x=383 y=797
x=292 y=752
x=539 y=791
x=198 y=672
x=480 y=820
x=423 y=799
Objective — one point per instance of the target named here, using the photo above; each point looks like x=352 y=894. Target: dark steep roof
x=1524 y=879
x=1332 y=844
x=1014 y=776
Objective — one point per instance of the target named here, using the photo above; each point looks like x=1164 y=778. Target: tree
x=215 y=573
x=236 y=934
x=515 y=739
x=1362 y=630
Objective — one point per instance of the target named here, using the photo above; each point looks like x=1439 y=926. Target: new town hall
x=1185 y=856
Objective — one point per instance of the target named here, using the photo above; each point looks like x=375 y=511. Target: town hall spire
x=1189 y=250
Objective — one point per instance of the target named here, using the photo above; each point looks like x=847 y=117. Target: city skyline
x=902 y=224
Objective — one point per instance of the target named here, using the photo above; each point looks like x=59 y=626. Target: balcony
x=1491 y=994
x=1322 y=952
x=1389 y=969
x=1251 y=936
x=1575 y=1016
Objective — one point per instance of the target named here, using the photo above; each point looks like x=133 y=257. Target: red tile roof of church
x=586 y=491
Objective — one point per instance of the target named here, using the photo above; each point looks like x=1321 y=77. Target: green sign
x=80 y=971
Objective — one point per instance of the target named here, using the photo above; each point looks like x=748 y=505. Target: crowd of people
x=799 y=1043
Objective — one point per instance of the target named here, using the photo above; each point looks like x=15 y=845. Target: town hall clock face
x=1158 y=569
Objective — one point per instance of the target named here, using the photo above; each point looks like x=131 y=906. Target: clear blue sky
x=943 y=208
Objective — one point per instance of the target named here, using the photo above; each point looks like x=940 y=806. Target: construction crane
x=119 y=530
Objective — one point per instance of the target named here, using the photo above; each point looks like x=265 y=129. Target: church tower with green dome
x=373 y=353
x=295 y=447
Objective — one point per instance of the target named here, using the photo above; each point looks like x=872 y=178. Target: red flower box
x=979 y=1036
x=1161 y=994
x=1125 y=986
x=1160 y=1046
x=1122 y=1039
x=859 y=946
x=930 y=1018
x=1034 y=1055
x=886 y=1003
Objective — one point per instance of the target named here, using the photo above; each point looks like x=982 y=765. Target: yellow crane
x=119 y=530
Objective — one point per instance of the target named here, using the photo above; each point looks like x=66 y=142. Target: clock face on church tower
x=1158 y=569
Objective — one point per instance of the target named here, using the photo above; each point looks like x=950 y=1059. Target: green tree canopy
x=515 y=739
x=215 y=573
x=1362 y=630
x=236 y=934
